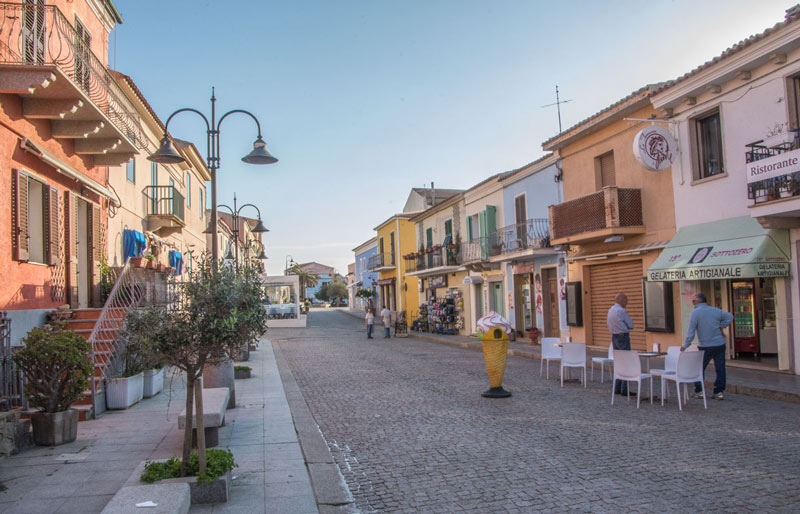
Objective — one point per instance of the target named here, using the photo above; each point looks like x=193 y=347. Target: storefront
x=741 y=268
x=388 y=293
x=539 y=294
x=443 y=304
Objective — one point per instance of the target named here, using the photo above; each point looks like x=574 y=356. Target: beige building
x=165 y=202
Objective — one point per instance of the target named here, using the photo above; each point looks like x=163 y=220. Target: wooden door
x=552 y=322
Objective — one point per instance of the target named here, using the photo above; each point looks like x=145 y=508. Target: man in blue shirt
x=620 y=326
x=707 y=322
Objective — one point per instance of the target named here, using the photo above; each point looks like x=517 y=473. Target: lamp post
x=259 y=228
x=166 y=154
x=288 y=260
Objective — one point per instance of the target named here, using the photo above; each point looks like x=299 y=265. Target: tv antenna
x=557 y=103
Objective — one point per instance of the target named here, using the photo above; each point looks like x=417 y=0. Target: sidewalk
x=763 y=384
x=81 y=477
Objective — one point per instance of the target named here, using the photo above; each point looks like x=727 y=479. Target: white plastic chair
x=573 y=355
x=603 y=361
x=550 y=352
x=670 y=363
x=689 y=370
x=628 y=367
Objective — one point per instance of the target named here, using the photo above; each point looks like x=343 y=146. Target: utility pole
x=557 y=103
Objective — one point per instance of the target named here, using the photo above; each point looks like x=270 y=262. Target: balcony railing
x=784 y=186
x=435 y=258
x=164 y=201
x=606 y=210
x=380 y=260
x=531 y=234
x=40 y=35
x=474 y=251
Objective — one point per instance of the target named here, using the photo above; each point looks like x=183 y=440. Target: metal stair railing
x=133 y=288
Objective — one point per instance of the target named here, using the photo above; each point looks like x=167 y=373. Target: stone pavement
x=752 y=382
x=81 y=477
x=411 y=433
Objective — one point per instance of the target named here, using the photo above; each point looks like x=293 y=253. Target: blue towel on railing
x=176 y=261
x=133 y=243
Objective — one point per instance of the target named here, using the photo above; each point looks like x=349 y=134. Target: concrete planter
x=153 y=382
x=217 y=491
x=121 y=393
x=221 y=375
x=244 y=353
x=52 y=429
x=239 y=374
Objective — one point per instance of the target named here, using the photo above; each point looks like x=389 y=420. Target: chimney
x=433 y=195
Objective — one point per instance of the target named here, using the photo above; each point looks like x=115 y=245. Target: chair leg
x=638 y=392
x=602 y=372
x=613 y=385
x=663 y=390
x=593 y=372
x=703 y=385
x=678 y=391
x=541 y=366
x=584 y=376
x=562 y=375
x=651 y=390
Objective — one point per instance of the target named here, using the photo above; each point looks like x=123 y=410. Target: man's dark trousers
x=621 y=342
x=718 y=354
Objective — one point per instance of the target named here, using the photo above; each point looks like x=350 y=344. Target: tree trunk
x=187 y=431
x=201 y=432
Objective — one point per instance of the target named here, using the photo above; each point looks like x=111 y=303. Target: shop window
x=658 y=312
x=707 y=148
x=574 y=304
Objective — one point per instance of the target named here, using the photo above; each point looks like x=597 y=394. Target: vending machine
x=745 y=334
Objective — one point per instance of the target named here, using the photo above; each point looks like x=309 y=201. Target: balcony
x=165 y=209
x=775 y=203
x=520 y=239
x=48 y=64
x=608 y=212
x=381 y=262
x=434 y=260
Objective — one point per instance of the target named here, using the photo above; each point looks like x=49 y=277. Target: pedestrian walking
x=386 y=317
x=708 y=323
x=620 y=326
x=369 y=319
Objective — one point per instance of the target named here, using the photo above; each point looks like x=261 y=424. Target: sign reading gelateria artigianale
x=775 y=166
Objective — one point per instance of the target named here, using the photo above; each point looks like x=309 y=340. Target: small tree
x=337 y=290
x=322 y=294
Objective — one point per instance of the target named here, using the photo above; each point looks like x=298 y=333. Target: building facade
x=364 y=278
x=325 y=275
x=395 y=237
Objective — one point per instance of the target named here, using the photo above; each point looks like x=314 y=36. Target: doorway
x=552 y=320
x=84 y=274
x=496 y=297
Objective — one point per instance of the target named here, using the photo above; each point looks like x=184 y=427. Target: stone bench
x=215 y=402
x=171 y=498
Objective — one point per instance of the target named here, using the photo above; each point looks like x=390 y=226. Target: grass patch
x=242 y=368
x=218 y=462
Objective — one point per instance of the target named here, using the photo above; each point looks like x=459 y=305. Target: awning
x=65 y=169
x=472 y=280
x=726 y=249
x=386 y=282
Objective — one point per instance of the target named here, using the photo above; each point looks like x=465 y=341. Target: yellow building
x=396 y=237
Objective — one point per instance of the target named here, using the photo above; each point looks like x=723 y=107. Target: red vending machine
x=745 y=335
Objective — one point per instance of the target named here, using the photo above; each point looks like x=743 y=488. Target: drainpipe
x=400 y=283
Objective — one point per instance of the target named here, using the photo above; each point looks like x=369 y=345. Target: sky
x=362 y=100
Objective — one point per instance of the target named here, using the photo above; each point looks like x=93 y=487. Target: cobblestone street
x=407 y=426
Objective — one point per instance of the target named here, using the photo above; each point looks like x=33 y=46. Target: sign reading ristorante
x=771 y=167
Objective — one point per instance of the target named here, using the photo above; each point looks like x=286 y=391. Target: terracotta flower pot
x=138 y=262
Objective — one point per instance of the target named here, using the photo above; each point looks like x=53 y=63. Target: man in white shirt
x=386 y=317
x=369 y=319
x=620 y=326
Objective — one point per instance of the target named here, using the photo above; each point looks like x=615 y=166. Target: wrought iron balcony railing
x=40 y=35
x=531 y=234
x=784 y=186
x=474 y=251
x=610 y=208
x=436 y=257
x=380 y=260
x=164 y=201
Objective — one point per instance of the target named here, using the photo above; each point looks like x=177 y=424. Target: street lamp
x=166 y=154
x=258 y=229
x=287 y=261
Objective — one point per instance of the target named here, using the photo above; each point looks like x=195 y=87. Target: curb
x=330 y=489
x=756 y=392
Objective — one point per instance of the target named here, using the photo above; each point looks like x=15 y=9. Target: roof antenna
x=557 y=103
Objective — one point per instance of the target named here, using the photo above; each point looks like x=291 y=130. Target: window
x=793 y=94
x=606 y=172
x=574 y=304
x=188 y=190
x=658 y=315
x=83 y=55
x=391 y=245
x=708 y=146
x=202 y=205
x=448 y=229
x=35 y=219
x=130 y=171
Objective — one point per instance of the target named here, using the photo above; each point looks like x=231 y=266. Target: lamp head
x=166 y=153
x=259 y=154
x=260 y=228
x=229 y=255
x=262 y=256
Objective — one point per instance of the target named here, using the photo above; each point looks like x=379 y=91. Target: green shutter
x=469 y=228
x=429 y=238
x=448 y=228
x=482 y=234
x=491 y=219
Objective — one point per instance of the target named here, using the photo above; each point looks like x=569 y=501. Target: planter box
x=121 y=393
x=218 y=491
x=52 y=429
x=153 y=382
x=239 y=374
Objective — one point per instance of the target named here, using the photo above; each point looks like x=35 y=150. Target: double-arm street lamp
x=258 y=229
x=166 y=154
x=288 y=262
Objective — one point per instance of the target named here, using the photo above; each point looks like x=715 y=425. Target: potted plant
x=138 y=262
x=240 y=372
x=151 y=261
x=127 y=388
x=533 y=335
x=136 y=334
x=57 y=367
x=212 y=485
x=778 y=135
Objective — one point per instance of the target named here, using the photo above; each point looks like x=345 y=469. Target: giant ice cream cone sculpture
x=493 y=332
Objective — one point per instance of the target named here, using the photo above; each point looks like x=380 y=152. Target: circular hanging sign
x=653 y=147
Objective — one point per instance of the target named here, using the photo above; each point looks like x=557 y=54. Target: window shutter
x=52 y=250
x=491 y=219
x=19 y=215
x=469 y=228
x=96 y=252
x=71 y=208
x=608 y=174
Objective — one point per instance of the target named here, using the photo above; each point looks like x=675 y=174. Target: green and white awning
x=726 y=249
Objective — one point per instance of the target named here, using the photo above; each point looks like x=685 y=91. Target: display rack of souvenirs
x=400 y=326
x=421 y=323
x=442 y=315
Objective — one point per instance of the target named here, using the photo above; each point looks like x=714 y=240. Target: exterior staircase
x=83 y=322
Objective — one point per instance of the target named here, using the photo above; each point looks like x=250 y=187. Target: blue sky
x=362 y=100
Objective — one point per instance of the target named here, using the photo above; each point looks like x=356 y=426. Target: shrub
x=57 y=366
x=218 y=463
x=242 y=368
